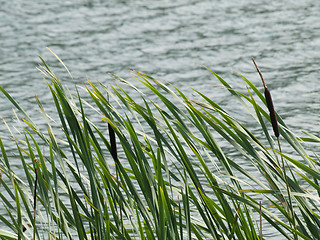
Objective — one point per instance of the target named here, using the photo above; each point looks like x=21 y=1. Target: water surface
x=169 y=40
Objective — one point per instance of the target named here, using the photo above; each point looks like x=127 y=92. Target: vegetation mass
x=159 y=167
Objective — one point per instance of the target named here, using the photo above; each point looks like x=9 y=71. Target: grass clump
x=156 y=169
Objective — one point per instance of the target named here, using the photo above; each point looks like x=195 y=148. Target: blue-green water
x=169 y=40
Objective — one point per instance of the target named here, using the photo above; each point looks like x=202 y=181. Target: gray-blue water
x=169 y=40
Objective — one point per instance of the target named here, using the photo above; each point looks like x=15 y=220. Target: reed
x=174 y=180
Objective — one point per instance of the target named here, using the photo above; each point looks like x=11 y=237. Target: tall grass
x=157 y=168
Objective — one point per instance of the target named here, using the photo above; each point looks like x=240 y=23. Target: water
x=169 y=40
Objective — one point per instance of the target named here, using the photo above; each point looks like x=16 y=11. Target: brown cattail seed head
x=272 y=113
x=267 y=95
x=113 y=143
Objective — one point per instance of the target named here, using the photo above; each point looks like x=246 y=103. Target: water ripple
x=169 y=40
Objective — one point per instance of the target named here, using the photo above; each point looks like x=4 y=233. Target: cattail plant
x=275 y=127
x=267 y=95
x=114 y=154
x=113 y=143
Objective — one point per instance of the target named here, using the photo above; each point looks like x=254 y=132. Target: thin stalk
x=288 y=191
x=35 y=199
x=260 y=221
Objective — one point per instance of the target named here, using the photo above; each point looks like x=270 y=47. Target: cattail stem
x=289 y=193
x=260 y=211
x=35 y=199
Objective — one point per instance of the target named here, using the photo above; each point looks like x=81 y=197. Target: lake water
x=169 y=40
